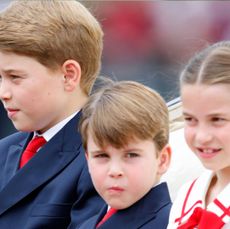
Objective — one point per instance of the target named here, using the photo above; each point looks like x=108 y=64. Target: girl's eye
x=189 y=120
x=217 y=119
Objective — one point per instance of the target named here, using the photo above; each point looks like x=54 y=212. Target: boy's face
x=32 y=95
x=123 y=176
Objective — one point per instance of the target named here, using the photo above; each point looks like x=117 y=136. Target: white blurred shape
x=184 y=165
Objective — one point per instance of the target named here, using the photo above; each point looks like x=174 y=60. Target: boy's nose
x=4 y=91
x=115 y=170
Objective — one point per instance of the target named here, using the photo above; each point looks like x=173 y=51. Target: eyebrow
x=10 y=71
x=96 y=151
x=186 y=113
x=209 y=115
x=132 y=149
x=122 y=150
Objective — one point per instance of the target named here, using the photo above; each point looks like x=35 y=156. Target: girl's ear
x=72 y=74
x=164 y=159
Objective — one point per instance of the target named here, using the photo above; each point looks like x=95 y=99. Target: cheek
x=145 y=174
x=96 y=172
x=24 y=95
x=222 y=133
x=189 y=135
x=98 y=179
x=143 y=181
x=90 y=166
x=31 y=100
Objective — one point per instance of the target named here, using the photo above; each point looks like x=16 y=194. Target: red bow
x=202 y=219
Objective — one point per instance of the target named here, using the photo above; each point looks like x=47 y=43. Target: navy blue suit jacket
x=150 y=212
x=53 y=189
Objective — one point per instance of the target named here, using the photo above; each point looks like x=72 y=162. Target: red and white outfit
x=188 y=210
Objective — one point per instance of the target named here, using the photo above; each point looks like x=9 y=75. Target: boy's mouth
x=11 y=112
x=115 y=189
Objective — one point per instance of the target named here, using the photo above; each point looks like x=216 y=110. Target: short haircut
x=124 y=111
x=52 y=32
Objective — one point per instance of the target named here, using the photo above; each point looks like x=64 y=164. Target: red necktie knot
x=31 y=149
x=109 y=213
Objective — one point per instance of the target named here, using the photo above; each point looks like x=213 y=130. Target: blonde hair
x=124 y=111
x=210 y=66
x=52 y=32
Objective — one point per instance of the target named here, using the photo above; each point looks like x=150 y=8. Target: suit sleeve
x=88 y=203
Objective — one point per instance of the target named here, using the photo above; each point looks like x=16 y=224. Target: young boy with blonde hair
x=50 y=55
x=125 y=131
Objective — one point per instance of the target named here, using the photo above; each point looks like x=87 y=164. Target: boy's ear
x=86 y=155
x=164 y=159
x=72 y=74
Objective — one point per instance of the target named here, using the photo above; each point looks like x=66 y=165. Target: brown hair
x=52 y=32
x=124 y=111
x=209 y=66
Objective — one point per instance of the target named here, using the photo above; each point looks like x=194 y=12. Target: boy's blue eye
x=102 y=155
x=131 y=155
x=14 y=77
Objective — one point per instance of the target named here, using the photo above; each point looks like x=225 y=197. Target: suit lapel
x=100 y=216
x=94 y=220
x=51 y=159
x=12 y=160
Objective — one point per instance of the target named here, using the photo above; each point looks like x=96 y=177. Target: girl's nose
x=203 y=136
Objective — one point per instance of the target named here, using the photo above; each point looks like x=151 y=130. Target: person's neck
x=219 y=181
x=76 y=103
x=223 y=177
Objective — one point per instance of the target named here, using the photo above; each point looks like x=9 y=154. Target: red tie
x=31 y=149
x=109 y=213
x=202 y=219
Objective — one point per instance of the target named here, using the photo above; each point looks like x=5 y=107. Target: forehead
x=132 y=143
x=206 y=98
x=12 y=61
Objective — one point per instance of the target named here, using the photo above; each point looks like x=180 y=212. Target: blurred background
x=150 y=41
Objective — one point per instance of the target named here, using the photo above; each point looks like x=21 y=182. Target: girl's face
x=206 y=110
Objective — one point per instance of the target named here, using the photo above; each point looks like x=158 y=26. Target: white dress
x=192 y=195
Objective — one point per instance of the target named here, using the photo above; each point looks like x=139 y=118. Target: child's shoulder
x=159 y=200
x=13 y=138
x=195 y=186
